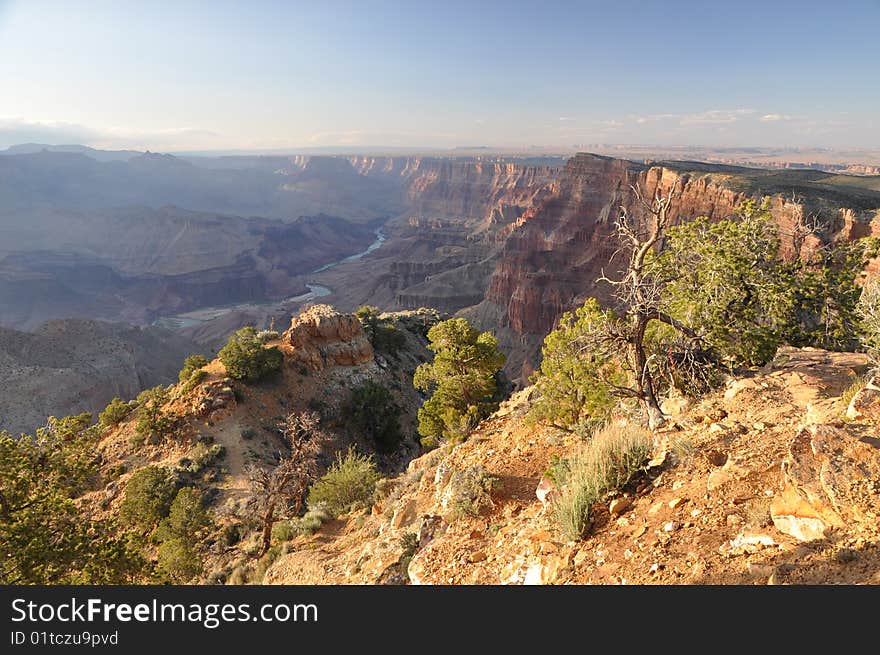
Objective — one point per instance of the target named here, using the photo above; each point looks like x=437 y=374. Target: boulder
x=865 y=404
x=321 y=337
x=829 y=480
x=619 y=505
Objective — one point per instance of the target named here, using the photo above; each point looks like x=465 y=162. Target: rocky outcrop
x=830 y=479
x=321 y=337
x=668 y=526
x=865 y=404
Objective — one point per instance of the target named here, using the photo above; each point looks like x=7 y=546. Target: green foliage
x=605 y=463
x=148 y=497
x=572 y=384
x=46 y=535
x=203 y=456
x=385 y=337
x=825 y=296
x=194 y=380
x=283 y=531
x=178 y=563
x=858 y=383
x=557 y=470
x=463 y=378
x=369 y=318
x=409 y=542
x=115 y=411
x=728 y=281
x=868 y=311
x=180 y=534
x=190 y=365
x=301 y=526
x=471 y=492
x=372 y=410
x=349 y=484
x=152 y=421
x=245 y=358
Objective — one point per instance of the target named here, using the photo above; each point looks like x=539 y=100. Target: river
x=197 y=316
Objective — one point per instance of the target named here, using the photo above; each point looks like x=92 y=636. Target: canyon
x=510 y=242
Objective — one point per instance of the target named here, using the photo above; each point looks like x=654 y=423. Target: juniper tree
x=278 y=492
x=462 y=379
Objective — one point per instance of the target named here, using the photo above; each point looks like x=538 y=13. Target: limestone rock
x=721 y=476
x=545 y=490
x=865 y=405
x=476 y=556
x=619 y=505
x=321 y=336
x=747 y=543
x=675 y=405
x=828 y=475
x=404 y=515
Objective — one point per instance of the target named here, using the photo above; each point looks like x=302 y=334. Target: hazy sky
x=440 y=73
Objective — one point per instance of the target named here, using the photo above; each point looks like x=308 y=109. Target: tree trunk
x=268 y=522
x=644 y=382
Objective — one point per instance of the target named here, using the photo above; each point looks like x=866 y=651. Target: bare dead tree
x=640 y=293
x=277 y=493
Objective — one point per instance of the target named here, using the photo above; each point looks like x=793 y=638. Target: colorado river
x=197 y=316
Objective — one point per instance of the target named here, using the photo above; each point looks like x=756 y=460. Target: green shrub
x=267 y=335
x=178 y=562
x=372 y=410
x=116 y=471
x=308 y=523
x=462 y=378
x=557 y=470
x=410 y=544
x=203 y=456
x=152 y=422
x=283 y=531
x=179 y=535
x=471 y=492
x=115 y=411
x=190 y=365
x=240 y=575
x=194 y=380
x=682 y=447
x=349 y=484
x=187 y=517
x=571 y=511
x=605 y=463
x=568 y=381
x=148 y=497
x=869 y=316
x=245 y=358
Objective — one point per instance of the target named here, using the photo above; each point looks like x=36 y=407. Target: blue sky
x=186 y=75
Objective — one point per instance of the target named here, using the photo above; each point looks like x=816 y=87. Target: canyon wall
x=553 y=255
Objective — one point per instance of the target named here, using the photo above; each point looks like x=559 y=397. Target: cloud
x=708 y=117
x=767 y=118
x=715 y=116
x=18 y=130
x=566 y=118
x=343 y=138
x=15 y=130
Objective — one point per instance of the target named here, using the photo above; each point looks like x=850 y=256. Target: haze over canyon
x=190 y=248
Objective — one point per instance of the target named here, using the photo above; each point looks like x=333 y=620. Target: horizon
x=274 y=76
